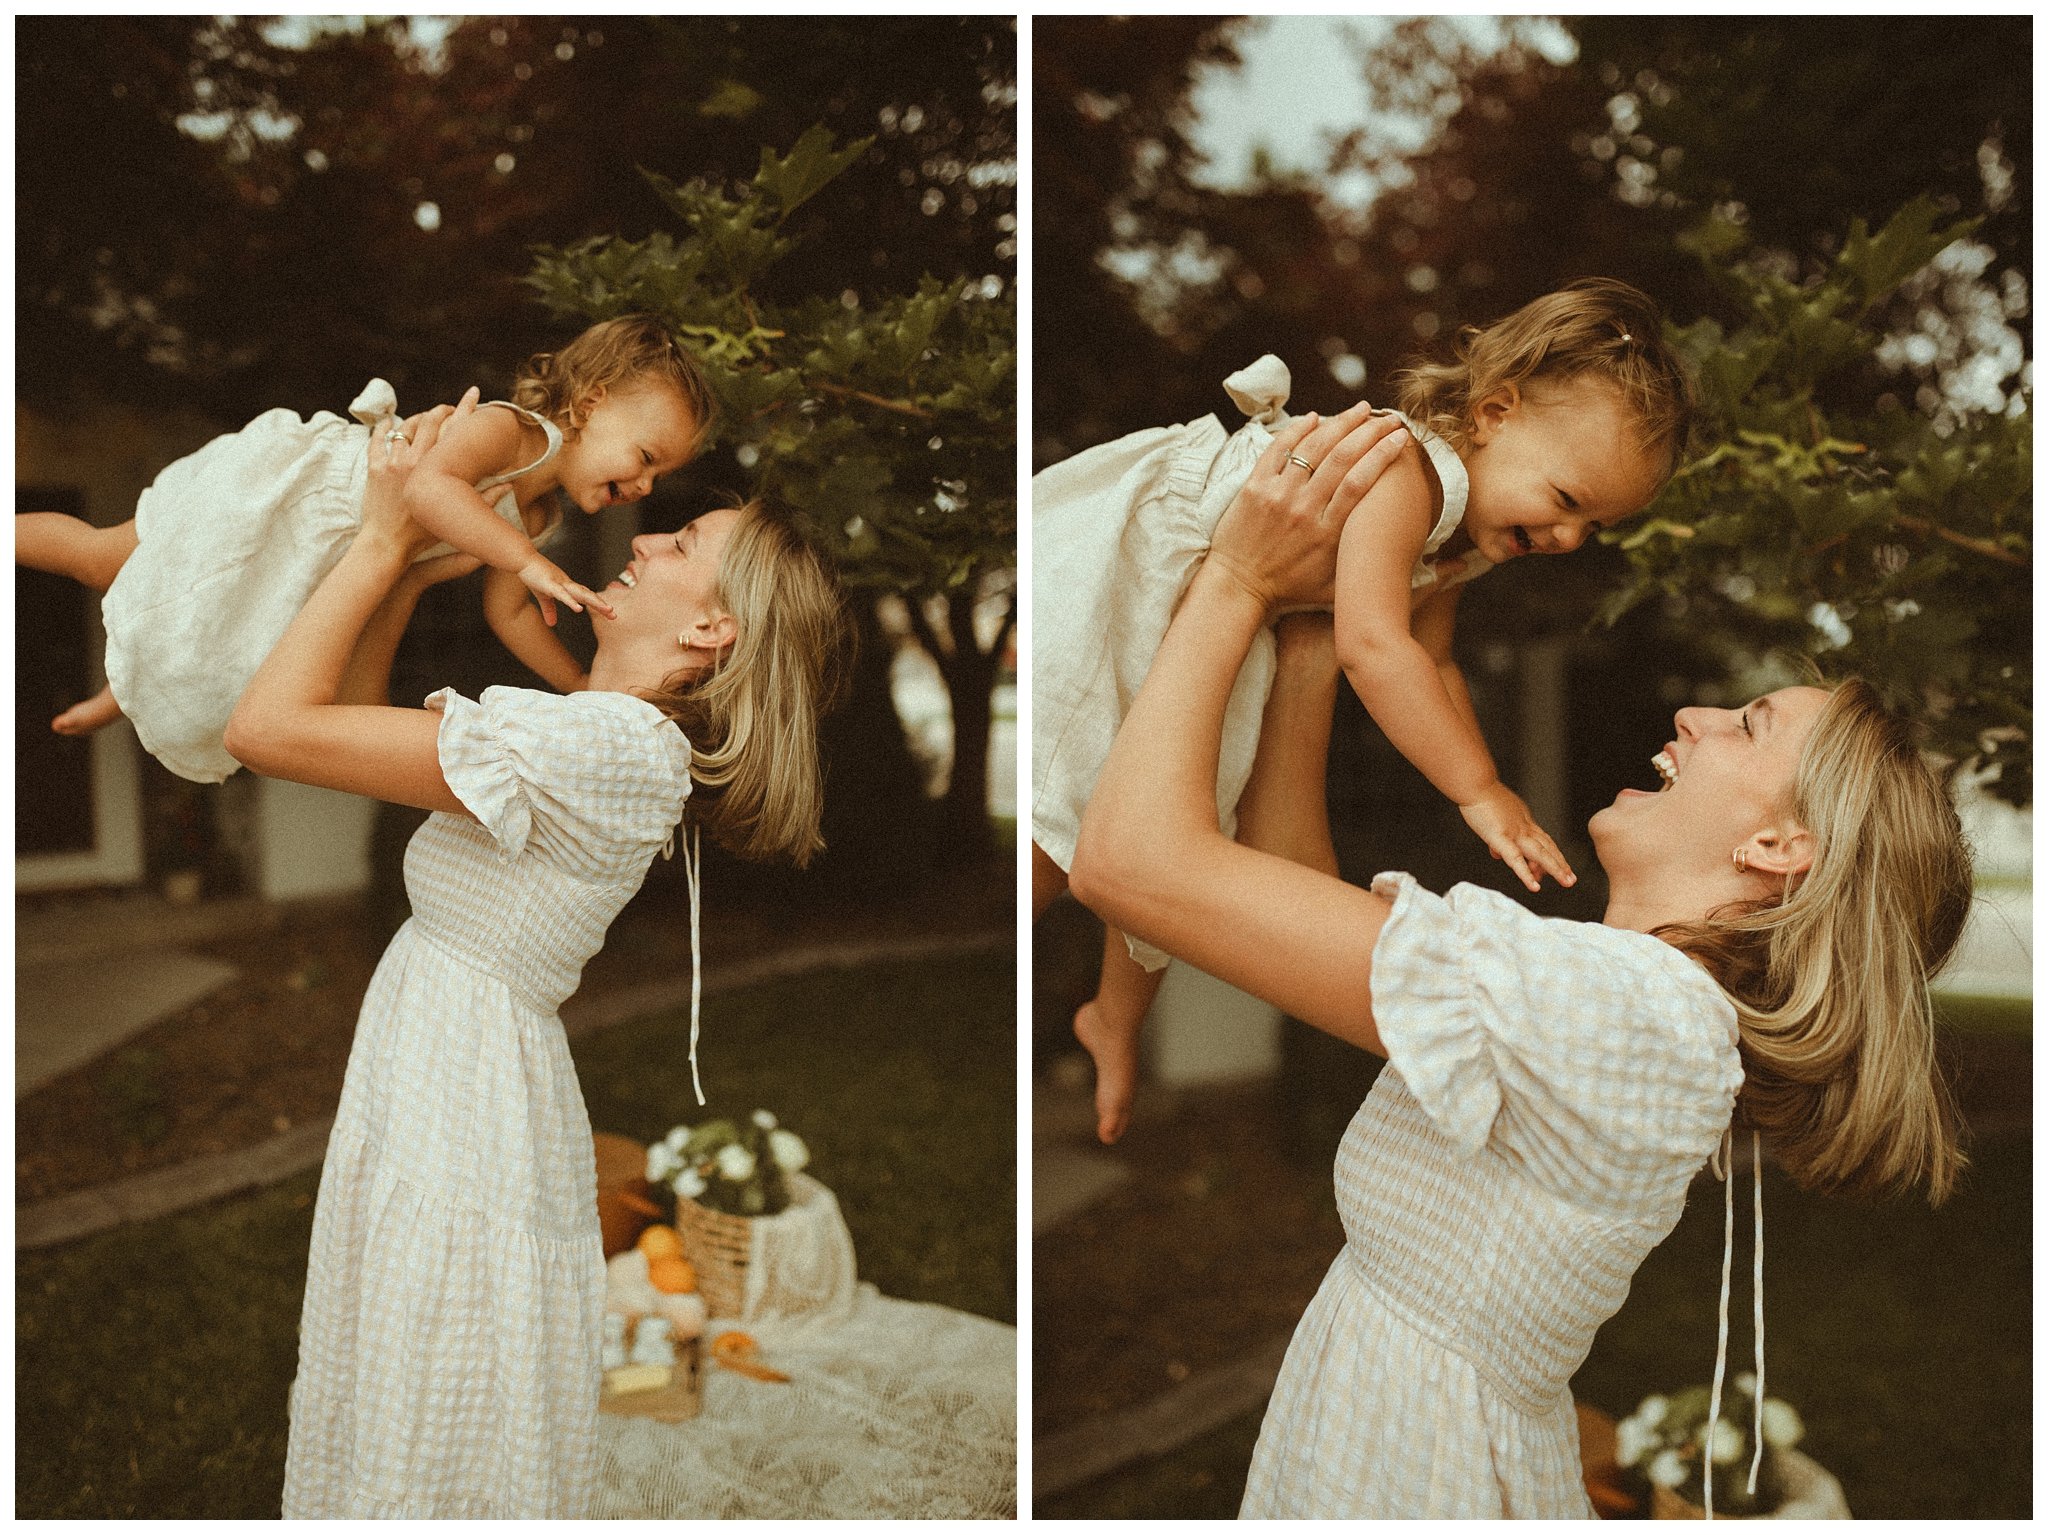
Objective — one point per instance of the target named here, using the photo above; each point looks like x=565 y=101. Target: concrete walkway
x=91 y=974
x=205 y=1179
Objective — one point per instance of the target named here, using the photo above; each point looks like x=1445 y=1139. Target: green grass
x=152 y=1362
x=2009 y=1016
x=1903 y=1335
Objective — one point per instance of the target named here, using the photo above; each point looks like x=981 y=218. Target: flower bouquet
x=1666 y=1442
x=724 y=1176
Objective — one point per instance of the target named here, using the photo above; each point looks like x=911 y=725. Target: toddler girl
x=1550 y=425
x=228 y=543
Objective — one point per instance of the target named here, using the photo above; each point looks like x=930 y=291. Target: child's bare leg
x=1109 y=1026
x=1048 y=879
x=83 y=719
x=70 y=546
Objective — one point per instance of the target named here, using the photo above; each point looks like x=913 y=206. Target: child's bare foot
x=83 y=719
x=1116 y=1069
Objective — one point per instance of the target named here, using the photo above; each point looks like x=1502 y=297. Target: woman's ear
x=1785 y=853
x=712 y=632
x=1492 y=409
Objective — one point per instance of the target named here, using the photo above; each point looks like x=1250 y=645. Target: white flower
x=1632 y=1436
x=1746 y=1381
x=1667 y=1470
x=736 y=1162
x=1782 y=1428
x=788 y=1150
x=1727 y=1443
x=689 y=1183
x=1653 y=1409
x=661 y=1162
x=764 y=1119
x=677 y=1139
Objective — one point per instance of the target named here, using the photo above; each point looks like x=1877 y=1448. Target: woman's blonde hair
x=1830 y=983
x=632 y=349
x=1596 y=327
x=752 y=719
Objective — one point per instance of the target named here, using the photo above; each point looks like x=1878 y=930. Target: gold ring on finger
x=1296 y=458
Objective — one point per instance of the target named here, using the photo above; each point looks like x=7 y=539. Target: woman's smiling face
x=670 y=587
x=1730 y=774
x=632 y=435
x=1552 y=464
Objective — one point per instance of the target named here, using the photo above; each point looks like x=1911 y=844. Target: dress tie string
x=694 y=867
x=1724 y=1169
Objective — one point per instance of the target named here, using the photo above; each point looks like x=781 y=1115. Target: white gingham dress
x=1552 y=1088
x=449 y=1348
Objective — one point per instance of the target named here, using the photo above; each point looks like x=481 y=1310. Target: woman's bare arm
x=1285 y=808
x=1152 y=858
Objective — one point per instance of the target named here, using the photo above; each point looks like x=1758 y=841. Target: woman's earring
x=684 y=641
x=1742 y=860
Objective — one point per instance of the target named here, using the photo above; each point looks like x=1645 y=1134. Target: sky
x=1300 y=86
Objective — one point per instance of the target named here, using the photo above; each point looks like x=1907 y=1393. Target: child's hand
x=546 y=580
x=1505 y=825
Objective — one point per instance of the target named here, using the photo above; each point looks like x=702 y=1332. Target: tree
x=1887 y=541
x=889 y=425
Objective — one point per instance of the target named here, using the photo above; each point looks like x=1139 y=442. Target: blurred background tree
x=1488 y=162
x=890 y=426
x=231 y=214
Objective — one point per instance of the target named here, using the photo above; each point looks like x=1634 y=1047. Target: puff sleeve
x=585 y=779
x=1601 y=1059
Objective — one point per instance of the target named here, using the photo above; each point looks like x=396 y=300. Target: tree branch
x=901 y=407
x=1982 y=546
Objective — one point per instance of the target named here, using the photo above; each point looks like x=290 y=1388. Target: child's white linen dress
x=232 y=541
x=1116 y=535
x=450 y=1344
x=1551 y=1089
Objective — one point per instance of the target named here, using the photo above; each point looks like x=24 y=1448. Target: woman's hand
x=395 y=451
x=1278 y=539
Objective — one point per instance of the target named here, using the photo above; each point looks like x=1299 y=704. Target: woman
x=450 y=1342
x=1553 y=1086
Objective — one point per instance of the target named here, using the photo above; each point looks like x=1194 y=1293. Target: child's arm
x=441 y=496
x=517 y=622
x=1403 y=685
x=1433 y=624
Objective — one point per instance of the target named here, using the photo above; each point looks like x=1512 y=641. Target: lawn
x=152 y=1362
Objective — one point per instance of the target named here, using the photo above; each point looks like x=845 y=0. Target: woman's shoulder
x=593 y=712
x=1647 y=986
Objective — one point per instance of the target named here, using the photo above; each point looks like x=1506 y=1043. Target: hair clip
x=1626 y=338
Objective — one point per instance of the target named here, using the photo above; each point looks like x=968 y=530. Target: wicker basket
x=719 y=1245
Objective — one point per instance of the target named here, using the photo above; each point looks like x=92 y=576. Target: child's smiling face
x=633 y=433
x=1552 y=464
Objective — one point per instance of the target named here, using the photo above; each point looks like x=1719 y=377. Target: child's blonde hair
x=1830 y=983
x=752 y=719
x=610 y=354
x=1596 y=327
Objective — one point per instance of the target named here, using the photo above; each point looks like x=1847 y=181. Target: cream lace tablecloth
x=894 y=1409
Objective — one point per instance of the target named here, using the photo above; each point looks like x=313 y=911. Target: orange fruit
x=660 y=1242
x=672 y=1276
x=734 y=1345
